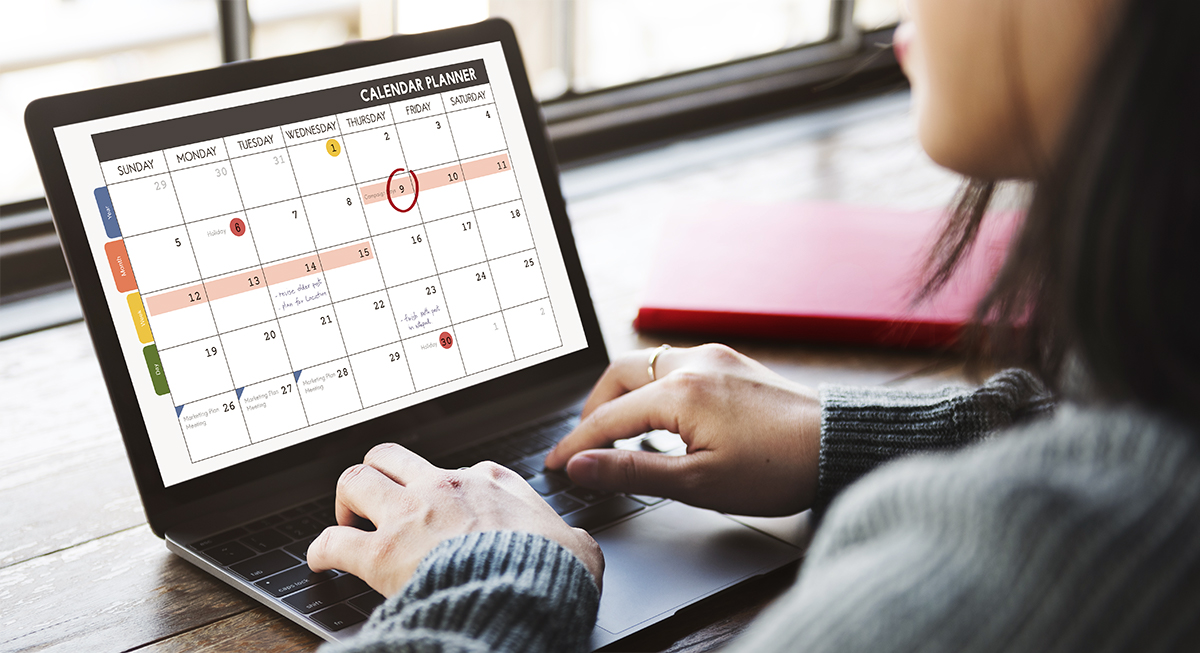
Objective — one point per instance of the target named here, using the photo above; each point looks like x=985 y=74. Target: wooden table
x=79 y=568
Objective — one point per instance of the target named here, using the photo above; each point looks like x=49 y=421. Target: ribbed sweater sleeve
x=494 y=591
x=864 y=427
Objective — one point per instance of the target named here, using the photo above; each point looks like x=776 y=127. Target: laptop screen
x=286 y=261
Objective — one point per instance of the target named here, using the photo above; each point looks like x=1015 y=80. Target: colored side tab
x=118 y=260
x=138 y=312
x=107 y=214
x=156 y=371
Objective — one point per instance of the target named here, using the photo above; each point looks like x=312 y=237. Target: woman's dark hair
x=1106 y=267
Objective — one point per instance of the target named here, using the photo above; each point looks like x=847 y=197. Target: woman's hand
x=752 y=436
x=415 y=505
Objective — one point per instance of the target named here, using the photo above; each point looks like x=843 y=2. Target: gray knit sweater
x=1077 y=531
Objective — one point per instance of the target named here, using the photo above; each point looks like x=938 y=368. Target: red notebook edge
x=851 y=271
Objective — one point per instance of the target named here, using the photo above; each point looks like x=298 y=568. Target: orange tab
x=118 y=260
x=139 y=317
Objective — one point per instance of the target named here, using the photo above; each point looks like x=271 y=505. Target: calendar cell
x=145 y=204
x=469 y=292
x=242 y=308
x=351 y=271
x=297 y=285
x=256 y=353
x=404 y=256
x=484 y=343
x=455 y=242
x=206 y=191
x=280 y=230
x=312 y=337
x=335 y=217
x=162 y=259
x=427 y=142
x=328 y=390
x=532 y=329
x=367 y=322
x=430 y=362
x=196 y=370
x=491 y=181
x=272 y=408
x=476 y=131
x=518 y=278
x=265 y=178
x=374 y=154
x=213 y=426
x=443 y=193
x=217 y=250
x=316 y=169
x=382 y=374
x=504 y=229
x=181 y=325
x=381 y=217
x=419 y=307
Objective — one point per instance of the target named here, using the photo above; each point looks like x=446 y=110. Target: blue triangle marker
x=297 y=374
x=239 y=391
x=178 y=411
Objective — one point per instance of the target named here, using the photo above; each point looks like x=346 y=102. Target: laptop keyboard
x=271 y=552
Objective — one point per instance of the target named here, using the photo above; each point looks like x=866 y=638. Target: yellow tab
x=139 y=317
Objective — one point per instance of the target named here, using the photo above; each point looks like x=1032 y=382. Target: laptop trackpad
x=670 y=557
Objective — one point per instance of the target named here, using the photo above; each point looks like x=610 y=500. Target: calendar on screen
x=286 y=261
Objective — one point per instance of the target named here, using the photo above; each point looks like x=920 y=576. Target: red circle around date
x=446 y=339
x=237 y=227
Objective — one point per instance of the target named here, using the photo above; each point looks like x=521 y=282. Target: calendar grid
x=434 y=267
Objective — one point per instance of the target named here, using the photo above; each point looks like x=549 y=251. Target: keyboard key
x=368 y=602
x=266 y=540
x=219 y=538
x=326 y=594
x=229 y=553
x=293 y=580
x=300 y=549
x=588 y=495
x=647 y=499
x=547 y=484
x=338 y=617
x=325 y=517
x=536 y=462
x=298 y=528
x=265 y=522
x=264 y=565
x=603 y=513
x=563 y=504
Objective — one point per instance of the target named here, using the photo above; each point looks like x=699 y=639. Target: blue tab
x=178 y=410
x=297 y=373
x=239 y=391
x=107 y=214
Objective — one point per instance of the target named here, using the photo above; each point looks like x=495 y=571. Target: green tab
x=156 y=370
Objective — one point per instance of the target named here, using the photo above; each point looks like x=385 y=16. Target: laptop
x=285 y=262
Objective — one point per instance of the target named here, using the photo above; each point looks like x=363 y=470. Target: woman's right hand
x=752 y=436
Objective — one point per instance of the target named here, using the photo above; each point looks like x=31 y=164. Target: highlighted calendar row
x=437 y=178
x=253 y=279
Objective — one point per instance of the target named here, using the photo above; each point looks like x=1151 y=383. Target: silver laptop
x=285 y=262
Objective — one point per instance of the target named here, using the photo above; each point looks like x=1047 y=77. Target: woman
x=1066 y=520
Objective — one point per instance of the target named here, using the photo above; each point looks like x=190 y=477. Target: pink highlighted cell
x=436 y=178
x=484 y=167
x=294 y=269
x=343 y=256
x=176 y=299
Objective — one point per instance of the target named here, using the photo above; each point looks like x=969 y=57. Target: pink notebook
x=815 y=272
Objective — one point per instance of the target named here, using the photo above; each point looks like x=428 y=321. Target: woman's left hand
x=415 y=505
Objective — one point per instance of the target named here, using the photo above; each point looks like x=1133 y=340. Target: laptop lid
x=284 y=262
